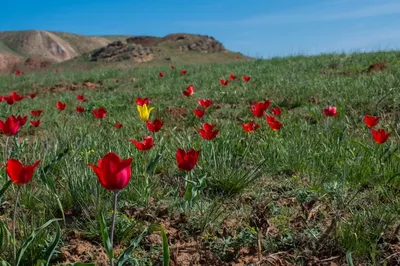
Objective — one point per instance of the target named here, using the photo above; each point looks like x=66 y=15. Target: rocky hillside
x=147 y=48
x=33 y=50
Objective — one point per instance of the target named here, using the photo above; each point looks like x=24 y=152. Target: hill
x=36 y=49
x=53 y=47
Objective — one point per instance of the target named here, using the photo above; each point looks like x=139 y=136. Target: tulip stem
x=5 y=152
x=14 y=224
x=113 y=219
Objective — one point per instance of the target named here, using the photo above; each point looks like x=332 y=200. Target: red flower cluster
x=380 y=136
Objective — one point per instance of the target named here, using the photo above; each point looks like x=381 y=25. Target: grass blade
x=105 y=237
x=30 y=239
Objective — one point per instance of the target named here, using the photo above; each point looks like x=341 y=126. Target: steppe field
x=283 y=161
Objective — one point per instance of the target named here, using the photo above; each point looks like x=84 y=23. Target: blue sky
x=262 y=28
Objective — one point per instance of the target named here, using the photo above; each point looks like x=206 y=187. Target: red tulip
x=371 y=121
x=142 y=101
x=118 y=125
x=199 y=113
x=246 y=78
x=145 y=145
x=8 y=99
x=61 y=106
x=36 y=112
x=161 y=74
x=259 y=108
x=183 y=72
x=189 y=91
x=207 y=131
x=154 y=126
x=81 y=98
x=224 y=82
x=18 y=72
x=250 y=127
x=276 y=111
x=205 y=103
x=380 y=136
x=112 y=172
x=172 y=67
x=100 y=112
x=35 y=123
x=232 y=77
x=18 y=173
x=22 y=119
x=11 y=126
x=237 y=57
x=32 y=95
x=273 y=123
x=16 y=97
x=187 y=160
x=330 y=111
x=80 y=109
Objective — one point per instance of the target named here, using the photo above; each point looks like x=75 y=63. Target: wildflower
x=187 y=160
x=205 y=103
x=154 y=126
x=189 y=91
x=145 y=145
x=380 y=136
x=250 y=127
x=199 y=113
x=144 y=112
x=273 y=123
x=246 y=78
x=36 y=112
x=371 y=121
x=35 y=123
x=142 y=101
x=330 y=111
x=10 y=126
x=112 y=172
x=18 y=173
x=100 y=113
x=207 y=131
x=61 y=106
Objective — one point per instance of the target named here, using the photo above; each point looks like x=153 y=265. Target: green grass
x=262 y=181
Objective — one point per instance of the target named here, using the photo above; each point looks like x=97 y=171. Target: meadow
x=317 y=190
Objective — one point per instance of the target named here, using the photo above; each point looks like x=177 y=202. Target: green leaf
x=5 y=235
x=52 y=247
x=4 y=263
x=105 y=237
x=124 y=257
x=349 y=258
x=26 y=243
x=153 y=163
x=166 y=257
x=47 y=168
x=5 y=187
x=83 y=264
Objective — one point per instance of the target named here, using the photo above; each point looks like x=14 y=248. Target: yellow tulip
x=144 y=112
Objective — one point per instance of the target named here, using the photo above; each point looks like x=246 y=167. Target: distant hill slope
x=52 y=46
x=35 y=49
